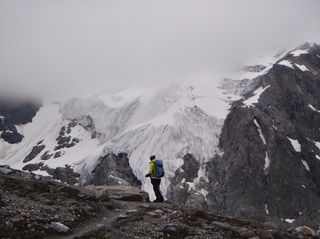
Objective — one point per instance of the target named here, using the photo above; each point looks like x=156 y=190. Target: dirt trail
x=103 y=220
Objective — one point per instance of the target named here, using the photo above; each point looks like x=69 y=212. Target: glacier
x=168 y=121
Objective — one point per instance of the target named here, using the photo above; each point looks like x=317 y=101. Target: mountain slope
x=270 y=166
x=32 y=206
x=259 y=159
x=168 y=121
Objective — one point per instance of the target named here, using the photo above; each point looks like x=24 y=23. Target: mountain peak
x=306 y=45
x=220 y=144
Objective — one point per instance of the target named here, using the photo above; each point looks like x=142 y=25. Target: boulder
x=124 y=193
x=246 y=233
x=127 y=193
x=263 y=234
x=305 y=231
x=59 y=227
x=5 y=170
x=270 y=226
x=100 y=192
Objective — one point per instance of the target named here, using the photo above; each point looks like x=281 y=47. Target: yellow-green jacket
x=152 y=169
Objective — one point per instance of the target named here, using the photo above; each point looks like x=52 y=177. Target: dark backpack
x=159 y=169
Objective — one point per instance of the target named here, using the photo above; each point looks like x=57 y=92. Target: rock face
x=34 y=152
x=112 y=170
x=254 y=68
x=14 y=111
x=270 y=169
x=180 y=190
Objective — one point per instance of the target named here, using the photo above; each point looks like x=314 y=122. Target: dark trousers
x=156 y=188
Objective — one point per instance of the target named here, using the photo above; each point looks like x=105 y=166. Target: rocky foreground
x=32 y=206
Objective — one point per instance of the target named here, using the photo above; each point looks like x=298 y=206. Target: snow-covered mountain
x=169 y=121
x=196 y=127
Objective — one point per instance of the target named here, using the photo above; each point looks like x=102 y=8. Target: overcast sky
x=79 y=44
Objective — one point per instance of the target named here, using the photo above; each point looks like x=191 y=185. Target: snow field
x=168 y=121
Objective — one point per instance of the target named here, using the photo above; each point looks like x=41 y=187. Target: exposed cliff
x=270 y=166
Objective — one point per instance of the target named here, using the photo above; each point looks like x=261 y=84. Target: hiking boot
x=157 y=200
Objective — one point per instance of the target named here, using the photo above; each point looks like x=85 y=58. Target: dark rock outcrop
x=11 y=135
x=113 y=170
x=66 y=174
x=270 y=169
x=254 y=68
x=87 y=122
x=64 y=141
x=16 y=111
x=179 y=190
x=33 y=167
x=34 y=152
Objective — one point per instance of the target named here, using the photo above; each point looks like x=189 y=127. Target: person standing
x=155 y=181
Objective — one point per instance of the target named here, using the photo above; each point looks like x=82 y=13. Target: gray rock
x=305 y=231
x=16 y=111
x=5 y=170
x=66 y=174
x=179 y=190
x=274 y=233
x=246 y=233
x=270 y=226
x=122 y=217
x=101 y=192
x=223 y=225
x=112 y=170
x=144 y=205
x=34 y=152
x=153 y=214
x=127 y=193
x=59 y=227
x=131 y=211
x=159 y=211
x=263 y=234
x=254 y=68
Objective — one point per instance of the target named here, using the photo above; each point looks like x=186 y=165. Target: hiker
x=155 y=173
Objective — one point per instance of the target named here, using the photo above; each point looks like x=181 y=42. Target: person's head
x=152 y=157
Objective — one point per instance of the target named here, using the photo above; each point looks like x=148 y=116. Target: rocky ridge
x=270 y=167
x=38 y=207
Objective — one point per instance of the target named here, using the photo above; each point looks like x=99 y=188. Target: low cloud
x=67 y=47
